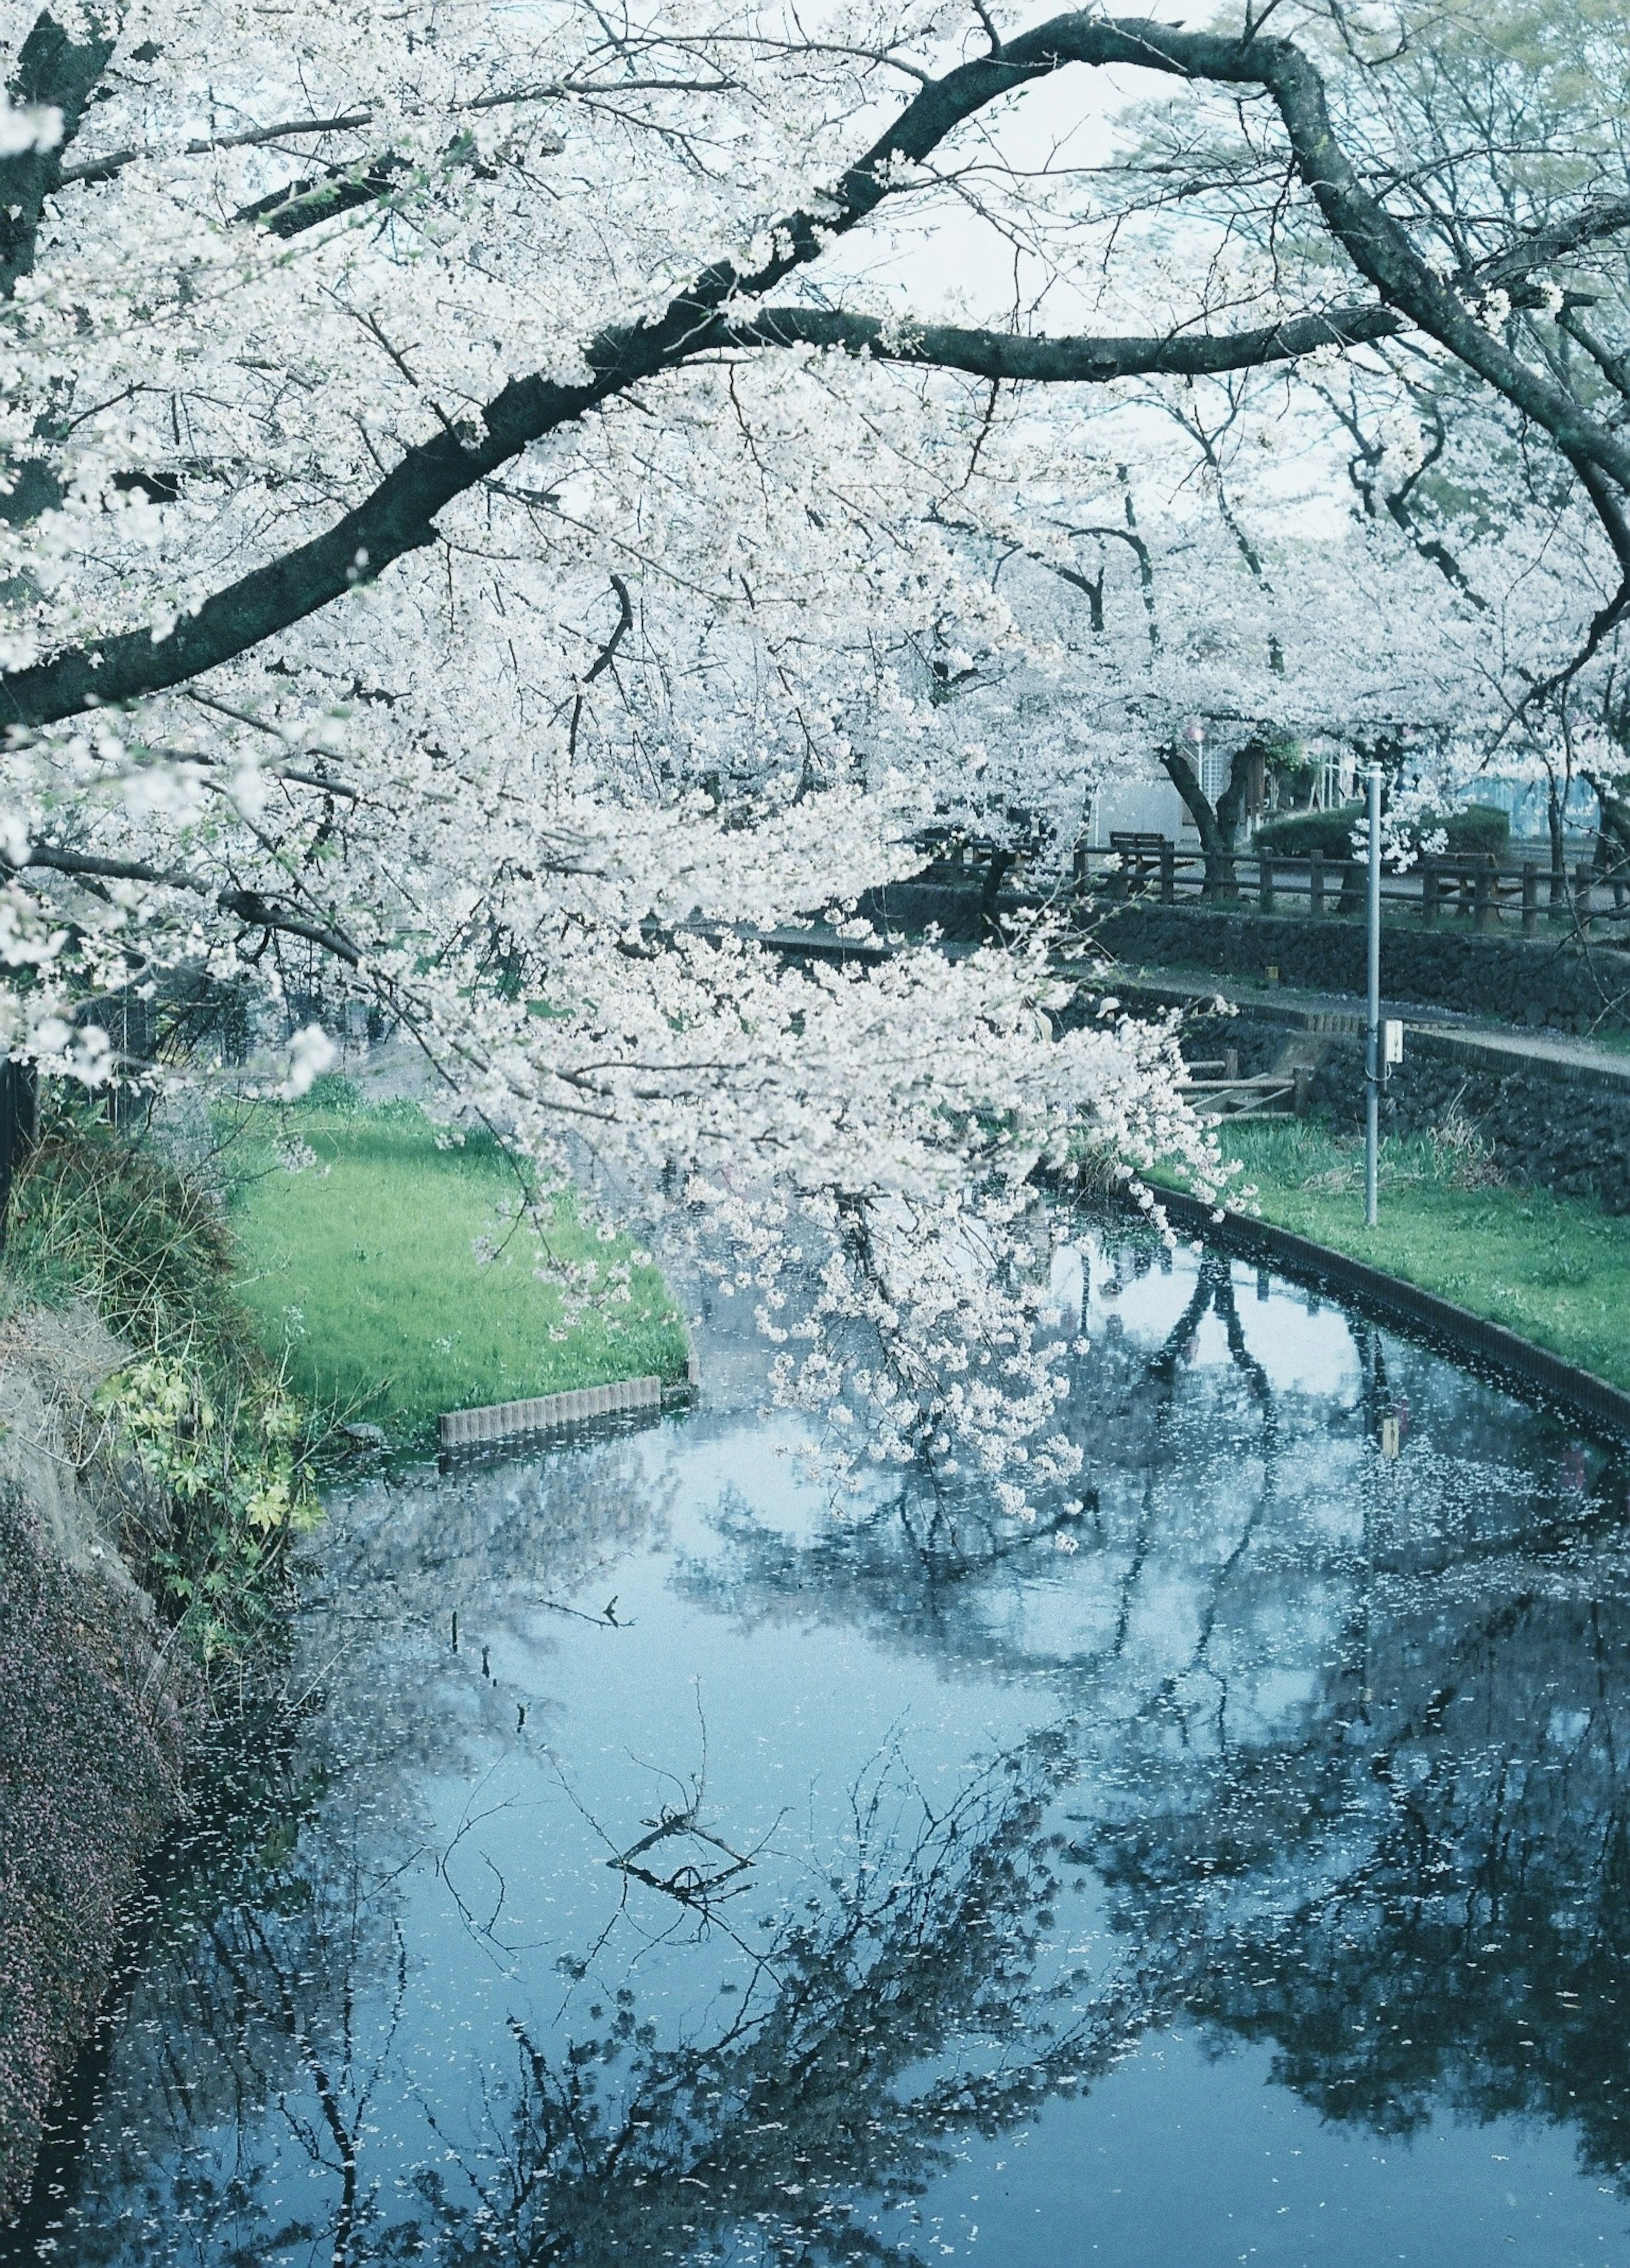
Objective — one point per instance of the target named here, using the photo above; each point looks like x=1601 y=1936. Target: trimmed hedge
x=1479 y=830
x=1305 y=834
x=1482 y=828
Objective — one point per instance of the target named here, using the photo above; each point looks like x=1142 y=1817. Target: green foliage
x=1302 y=833
x=1479 y=829
x=391 y=1270
x=1554 y=1269
x=222 y=1447
x=1283 y=752
x=236 y=1472
x=99 y=1217
x=335 y=1094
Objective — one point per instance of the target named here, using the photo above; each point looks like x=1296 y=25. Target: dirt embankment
x=94 y=1722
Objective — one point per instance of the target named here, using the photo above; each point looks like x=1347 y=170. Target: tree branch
x=398 y=516
x=354 y=121
x=1056 y=361
x=1608 y=217
x=339 y=188
x=246 y=906
x=604 y=659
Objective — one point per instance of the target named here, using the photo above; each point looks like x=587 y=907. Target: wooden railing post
x=1581 y=895
x=1168 y=873
x=1482 y=897
x=1316 y=884
x=1530 y=898
x=1264 y=881
x=1428 y=890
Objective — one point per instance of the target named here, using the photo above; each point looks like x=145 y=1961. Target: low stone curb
x=1519 y=1357
x=545 y=1413
x=500 y=1421
x=1489 y=1052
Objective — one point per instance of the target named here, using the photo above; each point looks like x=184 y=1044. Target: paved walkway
x=1501 y=1045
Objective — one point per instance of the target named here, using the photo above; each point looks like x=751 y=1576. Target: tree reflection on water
x=1328 y=1755
x=830 y=2082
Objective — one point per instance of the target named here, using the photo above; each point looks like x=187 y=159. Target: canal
x=651 y=1860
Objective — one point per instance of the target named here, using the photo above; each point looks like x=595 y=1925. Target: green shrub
x=1304 y=833
x=101 y=1216
x=1480 y=829
x=1477 y=830
x=224 y=1447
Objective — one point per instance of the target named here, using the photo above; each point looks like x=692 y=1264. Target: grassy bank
x=224 y=1449
x=1554 y=1269
x=366 y=1265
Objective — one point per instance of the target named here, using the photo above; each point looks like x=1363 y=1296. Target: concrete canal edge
x=1519 y=1358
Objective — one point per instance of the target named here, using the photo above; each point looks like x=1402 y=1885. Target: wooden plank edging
x=1492 y=1342
x=500 y=1421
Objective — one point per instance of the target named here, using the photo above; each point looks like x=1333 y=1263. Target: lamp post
x=1372 y=1031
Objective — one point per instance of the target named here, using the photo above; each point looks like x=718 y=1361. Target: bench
x=1143 y=855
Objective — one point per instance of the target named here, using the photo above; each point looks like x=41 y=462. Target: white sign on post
x=1392 y=1042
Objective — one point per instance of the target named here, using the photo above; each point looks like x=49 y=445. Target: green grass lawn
x=1554 y=1269
x=364 y=1266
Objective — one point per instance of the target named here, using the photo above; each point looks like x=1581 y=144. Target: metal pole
x=1372 y=1031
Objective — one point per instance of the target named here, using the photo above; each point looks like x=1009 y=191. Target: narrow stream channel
x=1238 y=1871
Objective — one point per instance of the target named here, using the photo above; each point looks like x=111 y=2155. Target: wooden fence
x=1488 y=894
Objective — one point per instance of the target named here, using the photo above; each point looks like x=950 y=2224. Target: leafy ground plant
x=209 y=1449
x=1554 y=1269
x=385 y=1263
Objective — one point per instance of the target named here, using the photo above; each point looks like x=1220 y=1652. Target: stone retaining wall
x=1540 y=983
x=1550 y=1124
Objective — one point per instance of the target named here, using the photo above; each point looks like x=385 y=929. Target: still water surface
x=1235 y=1871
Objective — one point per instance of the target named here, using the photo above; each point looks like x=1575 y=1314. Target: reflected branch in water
x=908 y=2006
x=1461 y=1937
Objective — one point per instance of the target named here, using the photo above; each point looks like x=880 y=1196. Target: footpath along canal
x=650 y=1862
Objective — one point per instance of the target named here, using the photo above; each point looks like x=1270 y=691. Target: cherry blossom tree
x=471 y=517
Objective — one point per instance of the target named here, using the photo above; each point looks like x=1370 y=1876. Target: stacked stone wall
x=1540 y=983
x=1544 y=983
x=1545 y=1125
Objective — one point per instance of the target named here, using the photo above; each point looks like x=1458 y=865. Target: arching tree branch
x=398 y=516
x=1068 y=361
x=250 y=906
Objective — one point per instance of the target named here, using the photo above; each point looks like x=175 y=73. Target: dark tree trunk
x=19 y=1128
x=1217 y=824
x=1559 y=847
x=995 y=875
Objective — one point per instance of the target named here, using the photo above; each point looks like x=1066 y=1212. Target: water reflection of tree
x=1459 y=1931
x=245 y=2010
x=915 y=1999
x=1351 y=1768
x=911 y=2005
x=1184 y=1470
x=1368 y=1801
x=275 y=1912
